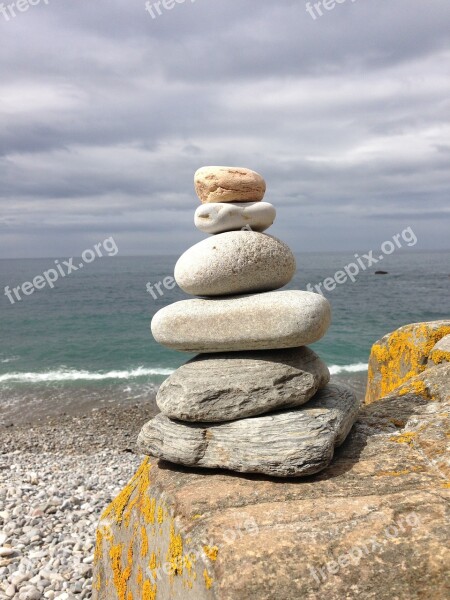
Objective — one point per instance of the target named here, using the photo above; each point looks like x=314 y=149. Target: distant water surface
x=87 y=342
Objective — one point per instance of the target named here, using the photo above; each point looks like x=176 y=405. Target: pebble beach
x=56 y=477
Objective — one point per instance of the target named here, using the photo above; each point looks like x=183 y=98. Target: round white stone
x=220 y=217
x=237 y=262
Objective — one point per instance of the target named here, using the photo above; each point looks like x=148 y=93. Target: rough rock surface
x=229 y=386
x=272 y=320
x=373 y=525
x=440 y=353
x=220 y=217
x=237 y=262
x=291 y=443
x=229 y=184
x=401 y=355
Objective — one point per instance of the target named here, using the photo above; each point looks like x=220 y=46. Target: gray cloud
x=105 y=114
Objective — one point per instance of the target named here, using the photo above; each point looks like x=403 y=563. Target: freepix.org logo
x=12 y=10
x=61 y=269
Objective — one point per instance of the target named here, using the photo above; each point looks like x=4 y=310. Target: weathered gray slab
x=272 y=320
x=291 y=443
x=225 y=387
x=236 y=262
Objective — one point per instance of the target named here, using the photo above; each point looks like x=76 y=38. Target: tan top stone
x=229 y=184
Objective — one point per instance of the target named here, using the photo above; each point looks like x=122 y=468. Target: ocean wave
x=355 y=368
x=8 y=360
x=74 y=375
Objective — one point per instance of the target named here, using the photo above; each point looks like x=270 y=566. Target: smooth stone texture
x=225 y=387
x=229 y=184
x=291 y=443
x=268 y=321
x=220 y=217
x=237 y=262
x=381 y=507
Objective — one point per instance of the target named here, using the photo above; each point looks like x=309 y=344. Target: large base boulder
x=372 y=526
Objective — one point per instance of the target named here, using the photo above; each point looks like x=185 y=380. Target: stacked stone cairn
x=256 y=399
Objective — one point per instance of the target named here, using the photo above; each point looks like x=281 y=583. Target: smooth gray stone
x=268 y=321
x=236 y=262
x=225 y=387
x=292 y=443
x=220 y=217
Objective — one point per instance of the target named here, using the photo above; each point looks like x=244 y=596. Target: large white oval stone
x=237 y=262
x=256 y=322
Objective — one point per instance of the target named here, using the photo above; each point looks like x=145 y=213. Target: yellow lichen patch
x=175 y=552
x=401 y=356
x=144 y=542
x=130 y=596
x=399 y=473
x=160 y=515
x=148 y=509
x=208 y=580
x=119 y=504
x=392 y=473
x=446 y=485
x=404 y=438
x=98 y=552
x=153 y=561
x=417 y=387
x=189 y=560
x=120 y=575
x=195 y=517
x=149 y=590
x=140 y=577
x=211 y=552
x=440 y=356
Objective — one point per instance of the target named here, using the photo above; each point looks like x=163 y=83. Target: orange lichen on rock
x=144 y=542
x=118 y=506
x=175 y=552
x=149 y=591
x=404 y=438
x=208 y=581
x=417 y=387
x=440 y=356
x=400 y=356
x=160 y=515
x=398 y=473
x=120 y=575
x=211 y=552
x=148 y=509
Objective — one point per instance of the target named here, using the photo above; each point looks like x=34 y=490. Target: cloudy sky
x=106 y=113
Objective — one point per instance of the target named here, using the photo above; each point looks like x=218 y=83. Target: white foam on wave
x=8 y=360
x=355 y=368
x=73 y=375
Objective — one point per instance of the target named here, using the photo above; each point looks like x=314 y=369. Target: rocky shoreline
x=56 y=477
